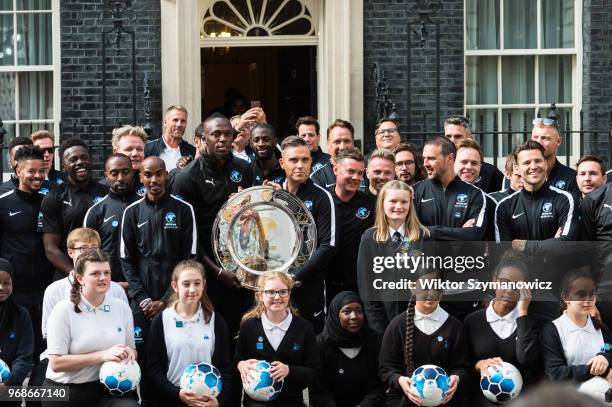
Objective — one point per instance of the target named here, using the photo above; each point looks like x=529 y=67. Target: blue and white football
x=432 y=384
x=5 y=371
x=202 y=379
x=261 y=387
x=120 y=377
x=502 y=384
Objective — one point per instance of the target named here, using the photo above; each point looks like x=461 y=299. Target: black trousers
x=33 y=303
x=91 y=394
x=310 y=302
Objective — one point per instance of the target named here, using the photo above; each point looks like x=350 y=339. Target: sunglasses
x=546 y=121
x=49 y=150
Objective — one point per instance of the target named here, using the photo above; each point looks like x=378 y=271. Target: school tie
x=397 y=236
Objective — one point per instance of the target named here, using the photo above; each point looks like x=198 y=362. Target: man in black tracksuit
x=206 y=183
x=64 y=208
x=310 y=296
x=14 y=146
x=20 y=242
x=105 y=215
x=596 y=216
x=540 y=220
x=451 y=209
x=356 y=211
x=157 y=232
x=339 y=135
x=308 y=128
x=265 y=165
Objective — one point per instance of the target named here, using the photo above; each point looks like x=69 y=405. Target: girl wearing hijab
x=16 y=335
x=348 y=349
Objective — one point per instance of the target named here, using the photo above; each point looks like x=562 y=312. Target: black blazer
x=155 y=147
x=165 y=392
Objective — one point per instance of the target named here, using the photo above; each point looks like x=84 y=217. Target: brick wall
x=597 y=72
x=386 y=42
x=82 y=23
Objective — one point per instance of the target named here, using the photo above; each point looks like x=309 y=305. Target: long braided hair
x=90 y=256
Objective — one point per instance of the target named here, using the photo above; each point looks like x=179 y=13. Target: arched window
x=257 y=18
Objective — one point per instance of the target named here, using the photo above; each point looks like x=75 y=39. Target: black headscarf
x=8 y=308
x=333 y=332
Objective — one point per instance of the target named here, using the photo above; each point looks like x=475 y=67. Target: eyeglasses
x=406 y=163
x=272 y=293
x=546 y=121
x=386 y=131
x=49 y=150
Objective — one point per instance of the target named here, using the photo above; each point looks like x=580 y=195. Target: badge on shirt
x=606 y=347
x=12 y=335
x=106 y=308
x=179 y=324
x=259 y=346
x=206 y=337
x=296 y=347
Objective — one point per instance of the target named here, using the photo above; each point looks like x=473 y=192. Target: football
x=596 y=387
x=262 y=387
x=503 y=384
x=120 y=377
x=4 y=371
x=432 y=384
x=202 y=379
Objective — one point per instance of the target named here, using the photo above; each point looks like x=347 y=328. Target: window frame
x=55 y=68
x=576 y=75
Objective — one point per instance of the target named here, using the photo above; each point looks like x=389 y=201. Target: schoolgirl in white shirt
x=87 y=331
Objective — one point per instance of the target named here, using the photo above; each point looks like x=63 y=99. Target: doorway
x=282 y=79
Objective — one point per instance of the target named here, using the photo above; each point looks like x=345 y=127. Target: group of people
x=124 y=268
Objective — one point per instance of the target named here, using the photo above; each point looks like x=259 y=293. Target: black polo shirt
x=64 y=208
x=277 y=174
x=20 y=242
x=354 y=217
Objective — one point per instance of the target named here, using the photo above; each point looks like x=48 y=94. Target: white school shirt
x=60 y=290
x=94 y=329
x=187 y=341
x=502 y=326
x=401 y=230
x=429 y=323
x=170 y=156
x=580 y=344
x=275 y=332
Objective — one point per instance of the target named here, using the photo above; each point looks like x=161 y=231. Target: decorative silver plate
x=262 y=229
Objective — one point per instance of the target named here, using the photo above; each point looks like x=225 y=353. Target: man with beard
x=546 y=132
x=20 y=241
x=64 y=208
x=309 y=297
x=105 y=215
x=308 y=128
x=265 y=167
x=157 y=232
x=170 y=147
x=45 y=141
x=408 y=164
x=207 y=183
x=381 y=169
x=339 y=136
x=356 y=212
x=590 y=174
x=457 y=129
x=130 y=141
x=450 y=208
x=14 y=146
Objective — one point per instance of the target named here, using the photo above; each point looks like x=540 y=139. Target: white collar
x=283 y=325
x=572 y=327
x=85 y=306
x=438 y=315
x=401 y=230
x=492 y=316
x=170 y=148
x=197 y=317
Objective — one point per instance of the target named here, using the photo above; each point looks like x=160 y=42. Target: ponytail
x=75 y=295
x=409 y=344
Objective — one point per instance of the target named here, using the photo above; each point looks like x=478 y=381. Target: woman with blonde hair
x=397 y=230
x=272 y=331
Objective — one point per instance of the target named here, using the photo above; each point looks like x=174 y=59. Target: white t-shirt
x=275 y=332
x=429 y=323
x=60 y=290
x=580 y=344
x=187 y=341
x=94 y=329
x=170 y=156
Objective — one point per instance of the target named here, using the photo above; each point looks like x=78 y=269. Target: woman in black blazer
x=396 y=230
x=187 y=332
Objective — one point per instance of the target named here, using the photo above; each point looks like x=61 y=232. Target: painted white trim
x=520 y=51
x=272 y=41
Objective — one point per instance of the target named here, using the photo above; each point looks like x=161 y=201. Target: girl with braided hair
x=424 y=334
